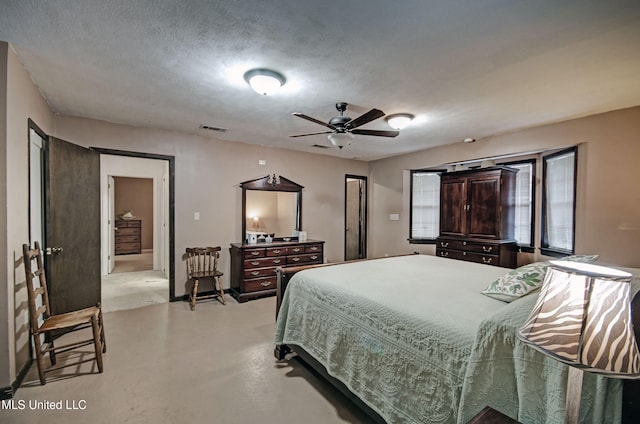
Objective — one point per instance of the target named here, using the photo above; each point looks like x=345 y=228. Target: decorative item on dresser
x=477 y=216
x=128 y=236
x=253 y=266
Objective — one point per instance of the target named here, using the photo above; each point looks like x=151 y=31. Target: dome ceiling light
x=264 y=81
x=399 y=121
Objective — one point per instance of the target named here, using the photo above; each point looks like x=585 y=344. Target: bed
x=415 y=341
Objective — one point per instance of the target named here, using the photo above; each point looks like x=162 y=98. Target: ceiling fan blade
x=304 y=135
x=363 y=119
x=317 y=121
x=378 y=133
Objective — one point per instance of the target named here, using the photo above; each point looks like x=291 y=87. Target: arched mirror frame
x=271 y=183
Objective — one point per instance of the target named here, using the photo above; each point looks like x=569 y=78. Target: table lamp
x=583 y=318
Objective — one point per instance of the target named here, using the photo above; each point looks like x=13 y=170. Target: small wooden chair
x=43 y=324
x=202 y=262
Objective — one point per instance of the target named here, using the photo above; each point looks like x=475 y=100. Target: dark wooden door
x=453 y=207
x=483 y=196
x=72 y=225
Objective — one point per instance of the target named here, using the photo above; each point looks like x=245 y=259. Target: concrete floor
x=167 y=364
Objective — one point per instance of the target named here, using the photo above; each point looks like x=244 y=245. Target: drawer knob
x=314 y=257
x=443 y=244
x=255 y=253
x=265 y=283
x=297 y=249
x=255 y=272
x=276 y=261
x=296 y=259
x=276 y=251
x=486 y=260
x=314 y=248
x=487 y=248
x=444 y=254
x=255 y=263
x=464 y=243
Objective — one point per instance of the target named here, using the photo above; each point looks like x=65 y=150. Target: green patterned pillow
x=524 y=280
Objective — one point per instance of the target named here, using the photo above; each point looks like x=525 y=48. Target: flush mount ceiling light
x=399 y=121
x=340 y=139
x=264 y=81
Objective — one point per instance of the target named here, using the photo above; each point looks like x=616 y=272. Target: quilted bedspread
x=415 y=340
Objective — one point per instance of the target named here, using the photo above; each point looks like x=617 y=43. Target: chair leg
x=39 y=358
x=96 y=341
x=103 y=340
x=221 y=290
x=194 y=295
x=52 y=352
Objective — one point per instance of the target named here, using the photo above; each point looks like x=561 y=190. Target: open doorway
x=136 y=259
x=355 y=217
x=133 y=208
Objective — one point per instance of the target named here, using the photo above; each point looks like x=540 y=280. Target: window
x=524 y=202
x=425 y=206
x=558 y=202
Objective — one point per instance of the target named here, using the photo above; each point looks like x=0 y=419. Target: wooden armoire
x=477 y=216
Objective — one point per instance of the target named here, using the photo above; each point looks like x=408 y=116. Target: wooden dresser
x=128 y=236
x=477 y=216
x=253 y=266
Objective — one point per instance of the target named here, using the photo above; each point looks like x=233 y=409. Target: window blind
x=523 y=203
x=425 y=205
x=559 y=185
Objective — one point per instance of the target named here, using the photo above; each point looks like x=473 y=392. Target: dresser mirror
x=271 y=205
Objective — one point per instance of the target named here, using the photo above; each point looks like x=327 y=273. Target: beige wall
x=207 y=177
x=23 y=101
x=608 y=198
x=136 y=195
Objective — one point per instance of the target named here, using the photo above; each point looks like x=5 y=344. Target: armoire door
x=483 y=214
x=453 y=207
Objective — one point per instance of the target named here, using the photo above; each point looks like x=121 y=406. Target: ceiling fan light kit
x=398 y=121
x=343 y=128
x=340 y=140
x=264 y=81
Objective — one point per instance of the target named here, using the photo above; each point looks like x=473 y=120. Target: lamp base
x=574 y=391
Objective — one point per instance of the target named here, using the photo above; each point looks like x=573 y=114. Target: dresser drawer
x=263 y=262
x=254 y=253
x=278 y=251
x=134 y=238
x=129 y=224
x=127 y=231
x=257 y=284
x=451 y=244
x=304 y=259
x=258 y=272
x=313 y=248
x=481 y=258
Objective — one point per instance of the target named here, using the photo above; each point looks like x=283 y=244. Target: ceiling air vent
x=211 y=128
x=319 y=146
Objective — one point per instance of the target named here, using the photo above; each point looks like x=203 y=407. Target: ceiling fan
x=343 y=127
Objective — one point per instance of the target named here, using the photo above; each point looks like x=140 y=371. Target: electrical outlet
x=196 y=216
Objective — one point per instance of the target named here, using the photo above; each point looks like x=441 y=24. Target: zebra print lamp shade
x=583 y=318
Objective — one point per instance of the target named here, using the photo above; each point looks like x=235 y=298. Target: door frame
x=171 y=201
x=363 y=213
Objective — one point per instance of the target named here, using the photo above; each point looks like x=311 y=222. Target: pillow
x=522 y=281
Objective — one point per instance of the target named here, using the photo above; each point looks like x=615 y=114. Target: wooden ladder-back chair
x=202 y=262
x=43 y=324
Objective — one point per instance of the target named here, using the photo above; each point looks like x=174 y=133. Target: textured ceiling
x=465 y=68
